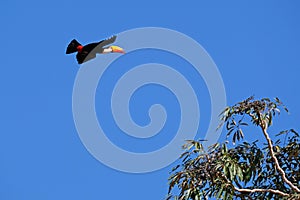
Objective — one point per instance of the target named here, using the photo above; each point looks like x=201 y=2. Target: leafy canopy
x=246 y=170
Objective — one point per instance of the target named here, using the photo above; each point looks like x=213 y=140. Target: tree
x=243 y=170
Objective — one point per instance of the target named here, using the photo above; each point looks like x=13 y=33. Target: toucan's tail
x=72 y=47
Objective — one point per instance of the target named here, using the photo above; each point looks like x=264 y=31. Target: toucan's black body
x=89 y=51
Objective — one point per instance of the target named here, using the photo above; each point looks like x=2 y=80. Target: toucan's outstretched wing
x=102 y=43
x=89 y=47
x=99 y=45
x=107 y=41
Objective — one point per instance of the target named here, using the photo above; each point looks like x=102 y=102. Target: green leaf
x=228 y=126
x=282 y=132
x=174 y=168
x=198 y=146
x=244 y=124
x=234 y=138
x=238 y=135
x=234 y=170
x=241 y=133
x=240 y=173
x=231 y=170
x=293 y=131
x=213 y=147
x=219 y=195
x=229 y=132
x=270 y=118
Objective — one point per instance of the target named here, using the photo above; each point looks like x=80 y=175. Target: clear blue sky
x=254 y=44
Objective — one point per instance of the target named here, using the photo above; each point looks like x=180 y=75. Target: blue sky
x=254 y=44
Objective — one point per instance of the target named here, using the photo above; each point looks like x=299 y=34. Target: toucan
x=89 y=51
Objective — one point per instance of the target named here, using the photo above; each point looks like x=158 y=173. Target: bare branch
x=242 y=190
x=262 y=190
x=280 y=170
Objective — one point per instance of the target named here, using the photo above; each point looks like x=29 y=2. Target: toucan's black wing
x=89 y=47
x=102 y=43
x=107 y=41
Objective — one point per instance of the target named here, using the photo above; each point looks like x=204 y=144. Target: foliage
x=246 y=170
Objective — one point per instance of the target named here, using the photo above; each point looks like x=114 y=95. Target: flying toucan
x=89 y=51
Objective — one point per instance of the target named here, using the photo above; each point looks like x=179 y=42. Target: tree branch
x=242 y=190
x=279 y=169
x=261 y=190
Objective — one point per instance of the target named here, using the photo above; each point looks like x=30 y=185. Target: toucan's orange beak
x=116 y=49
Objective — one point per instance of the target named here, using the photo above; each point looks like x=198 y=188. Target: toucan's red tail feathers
x=72 y=47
